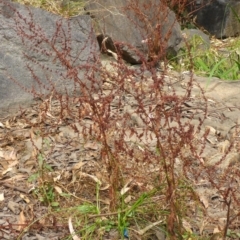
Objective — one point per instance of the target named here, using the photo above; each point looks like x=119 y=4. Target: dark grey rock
x=127 y=28
x=39 y=52
x=219 y=17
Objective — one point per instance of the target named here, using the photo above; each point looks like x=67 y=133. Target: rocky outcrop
x=40 y=50
x=220 y=17
x=131 y=23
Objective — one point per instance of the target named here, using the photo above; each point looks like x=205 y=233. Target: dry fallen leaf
x=25 y=198
x=204 y=223
x=1 y=197
x=187 y=226
x=204 y=200
x=58 y=189
x=7 y=124
x=57 y=178
x=18 y=177
x=21 y=221
x=224 y=146
x=71 y=230
x=217 y=236
x=12 y=155
x=7 y=170
x=222 y=223
x=9 y=167
x=13 y=206
x=144 y=230
x=125 y=188
x=50 y=115
x=91 y=146
x=2 y=125
x=216 y=230
x=78 y=165
x=42 y=221
x=91 y=176
x=128 y=199
x=9 y=155
x=105 y=187
x=2 y=153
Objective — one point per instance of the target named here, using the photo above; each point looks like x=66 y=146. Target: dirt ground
x=76 y=165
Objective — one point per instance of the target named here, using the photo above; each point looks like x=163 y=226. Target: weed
x=44 y=189
x=149 y=147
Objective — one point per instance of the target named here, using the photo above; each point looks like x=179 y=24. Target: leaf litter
x=74 y=168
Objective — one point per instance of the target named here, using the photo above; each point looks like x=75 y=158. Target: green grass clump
x=221 y=60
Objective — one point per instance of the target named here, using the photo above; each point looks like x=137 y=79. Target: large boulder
x=219 y=17
x=130 y=23
x=40 y=52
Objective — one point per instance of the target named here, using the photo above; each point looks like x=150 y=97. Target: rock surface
x=196 y=35
x=219 y=17
x=116 y=18
x=32 y=38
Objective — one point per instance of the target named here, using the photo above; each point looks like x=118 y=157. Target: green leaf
x=87 y=208
x=216 y=67
x=54 y=204
x=33 y=177
x=237 y=63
